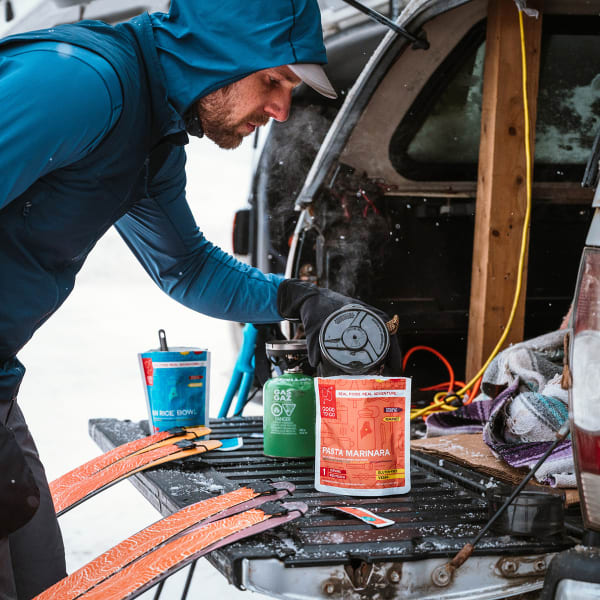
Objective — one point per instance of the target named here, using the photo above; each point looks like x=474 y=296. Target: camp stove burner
x=289 y=354
x=286 y=348
x=354 y=339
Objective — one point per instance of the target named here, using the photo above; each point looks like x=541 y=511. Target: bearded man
x=93 y=126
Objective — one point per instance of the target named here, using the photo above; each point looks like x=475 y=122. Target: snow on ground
x=82 y=364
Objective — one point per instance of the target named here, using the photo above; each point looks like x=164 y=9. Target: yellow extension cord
x=439 y=403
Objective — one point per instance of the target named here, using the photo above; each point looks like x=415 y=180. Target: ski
x=65 y=498
x=145 y=572
x=144 y=444
x=148 y=539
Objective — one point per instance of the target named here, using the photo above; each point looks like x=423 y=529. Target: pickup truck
x=374 y=196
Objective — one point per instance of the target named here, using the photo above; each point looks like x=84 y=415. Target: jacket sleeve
x=58 y=102
x=160 y=230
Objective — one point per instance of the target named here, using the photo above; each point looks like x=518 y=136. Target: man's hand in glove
x=312 y=305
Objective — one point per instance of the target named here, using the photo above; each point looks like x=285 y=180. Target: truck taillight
x=585 y=391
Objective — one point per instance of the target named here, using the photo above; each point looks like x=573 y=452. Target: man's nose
x=278 y=107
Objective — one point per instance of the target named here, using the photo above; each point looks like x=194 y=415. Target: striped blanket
x=520 y=408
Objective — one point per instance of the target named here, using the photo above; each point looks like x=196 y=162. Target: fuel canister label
x=282 y=409
x=289 y=416
x=363 y=432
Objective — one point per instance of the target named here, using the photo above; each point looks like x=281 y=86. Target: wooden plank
x=501 y=189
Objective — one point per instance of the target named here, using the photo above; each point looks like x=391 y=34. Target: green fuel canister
x=289 y=404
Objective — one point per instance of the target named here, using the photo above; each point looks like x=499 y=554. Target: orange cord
x=448 y=386
x=436 y=406
x=474 y=391
x=440 y=386
x=440 y=356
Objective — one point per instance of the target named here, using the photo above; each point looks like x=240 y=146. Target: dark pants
x=33 y=557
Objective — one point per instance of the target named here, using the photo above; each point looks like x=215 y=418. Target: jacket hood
x=203 y=45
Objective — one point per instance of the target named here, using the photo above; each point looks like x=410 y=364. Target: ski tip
x=261 y=487
x=277 y=509
x=202 y=446
x=268 y=487
x=301 y=507
x=273 y=509
x=197 y=430
x=208 y=444
x=283 y=485
x=185 y=444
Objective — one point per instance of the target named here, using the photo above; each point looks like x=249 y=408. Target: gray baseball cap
x=314 y=76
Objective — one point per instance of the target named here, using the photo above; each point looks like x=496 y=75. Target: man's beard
x=214 y=111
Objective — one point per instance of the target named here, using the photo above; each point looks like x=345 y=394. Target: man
x=92 y=129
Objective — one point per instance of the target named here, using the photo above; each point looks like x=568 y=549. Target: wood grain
x=501 y=183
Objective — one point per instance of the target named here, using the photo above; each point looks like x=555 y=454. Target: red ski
x=66 y=497
x=134 y=447
x=142 y=574
x=150 y=538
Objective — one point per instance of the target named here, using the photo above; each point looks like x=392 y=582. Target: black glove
x=312 y=305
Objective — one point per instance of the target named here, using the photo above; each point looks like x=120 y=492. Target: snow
x=83 y=364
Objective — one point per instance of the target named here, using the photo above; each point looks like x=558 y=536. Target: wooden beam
x=501 y=188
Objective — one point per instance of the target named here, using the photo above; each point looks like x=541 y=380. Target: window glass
x=451 y=130
x=569 y=99
x=439 y=137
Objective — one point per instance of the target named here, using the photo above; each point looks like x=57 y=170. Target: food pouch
x=363 y=435
x=176 y=386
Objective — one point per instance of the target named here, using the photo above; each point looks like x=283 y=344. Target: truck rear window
x=438 y=140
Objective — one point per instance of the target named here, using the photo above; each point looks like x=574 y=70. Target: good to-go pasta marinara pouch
x=363 y=435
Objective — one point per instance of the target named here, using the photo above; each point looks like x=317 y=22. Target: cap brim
x=314 y=76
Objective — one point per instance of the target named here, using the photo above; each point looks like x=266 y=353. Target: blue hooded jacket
x=92 y=134
x=232 y=41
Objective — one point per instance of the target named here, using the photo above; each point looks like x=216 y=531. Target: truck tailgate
x=329 y=555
